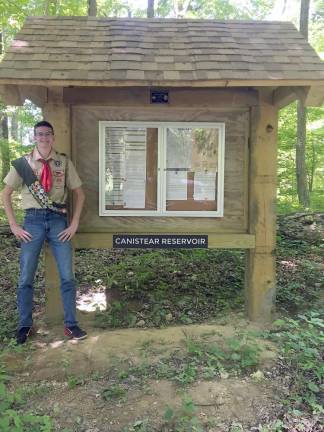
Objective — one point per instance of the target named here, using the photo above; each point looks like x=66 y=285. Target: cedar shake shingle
x=90 y=48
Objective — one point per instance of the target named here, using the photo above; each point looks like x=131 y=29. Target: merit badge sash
x=34 y=186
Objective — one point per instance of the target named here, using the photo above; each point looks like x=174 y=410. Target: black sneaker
x=75 y=332
x=22 y=334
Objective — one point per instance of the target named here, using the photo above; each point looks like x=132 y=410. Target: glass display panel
x=131 y=157
x=191 y=169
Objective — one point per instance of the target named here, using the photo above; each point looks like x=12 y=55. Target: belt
x=43 y=211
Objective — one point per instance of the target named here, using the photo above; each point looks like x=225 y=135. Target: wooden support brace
x=310 y=96
x=11 y=95
x=36 y=94
x=315 y=96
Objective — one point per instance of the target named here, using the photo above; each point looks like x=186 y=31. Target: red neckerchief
x=46 y=175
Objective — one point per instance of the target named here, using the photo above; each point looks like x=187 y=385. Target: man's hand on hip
x=69 y=232
x=20 y=233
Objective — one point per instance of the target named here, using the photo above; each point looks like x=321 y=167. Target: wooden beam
x=59 y=115
x=315 y=96
x=36 y=94
x=16 y=95
x=260 y=269
x=310 y=96
x=179 y=97
x=283 y=96
x=215 y=241
x=10 y=95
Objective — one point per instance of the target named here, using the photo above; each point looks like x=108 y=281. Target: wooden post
x=58 y=114
x=260 y=274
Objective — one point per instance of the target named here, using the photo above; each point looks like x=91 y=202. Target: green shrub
x=12 y=415
x=302 y=346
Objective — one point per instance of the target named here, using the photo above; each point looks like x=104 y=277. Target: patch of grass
x=183 y=419
x=139 y=426
x=36 y=389
x=9 y=273
x=162 y=287
x=302 y=346
x=74 y=381
x=201 y=360
x=234 y=355
x=13 y=417
x=191 y=286
x=116 y=316
x=113 y=392
x=294 y=421
x=173 y=286
x=300 y=280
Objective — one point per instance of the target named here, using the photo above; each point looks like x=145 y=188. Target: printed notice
x=205 y=186
x=176 y=185
x=135 y=168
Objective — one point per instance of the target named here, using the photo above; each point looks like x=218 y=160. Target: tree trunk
x=14 y=126
x=301 y=174
x=150 y=9
x=312 y=169
x=180 y=8
x=304 y=14
x=47 y=8
x=4 y=144
x=92 y=8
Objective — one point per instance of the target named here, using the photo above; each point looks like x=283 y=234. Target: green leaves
x=114 y=392
x=313 y=387
x=12 y=419
x=302 y=341
x=287 y=135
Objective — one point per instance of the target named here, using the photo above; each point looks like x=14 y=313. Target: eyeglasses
x=43 y=134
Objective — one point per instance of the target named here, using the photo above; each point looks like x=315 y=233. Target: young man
x=44 y=176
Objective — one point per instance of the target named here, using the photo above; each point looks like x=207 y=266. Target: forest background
x=300 y=185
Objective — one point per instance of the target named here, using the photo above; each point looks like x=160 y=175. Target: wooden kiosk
x=171 y=124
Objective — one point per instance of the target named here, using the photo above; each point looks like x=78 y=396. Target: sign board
x=159 y=96
x=160 y=241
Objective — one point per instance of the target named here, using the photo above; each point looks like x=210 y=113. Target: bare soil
x=67 y=380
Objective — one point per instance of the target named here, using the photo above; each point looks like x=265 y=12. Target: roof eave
x=164 y=83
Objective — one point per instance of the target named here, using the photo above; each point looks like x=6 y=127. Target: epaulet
x=61 y=154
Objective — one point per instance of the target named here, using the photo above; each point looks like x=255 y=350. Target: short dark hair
x=43 y=123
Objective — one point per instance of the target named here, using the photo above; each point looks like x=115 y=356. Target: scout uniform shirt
x=64 y=176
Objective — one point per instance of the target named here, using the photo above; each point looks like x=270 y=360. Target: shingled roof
x=112 y=51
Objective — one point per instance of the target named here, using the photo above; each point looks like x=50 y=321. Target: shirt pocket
x=58 y=175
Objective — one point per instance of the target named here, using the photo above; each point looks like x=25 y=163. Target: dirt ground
x=68 y=380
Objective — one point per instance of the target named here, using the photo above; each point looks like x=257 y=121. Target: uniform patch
x=58 y=173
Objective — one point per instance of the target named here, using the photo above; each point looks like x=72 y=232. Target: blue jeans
x=43 y=225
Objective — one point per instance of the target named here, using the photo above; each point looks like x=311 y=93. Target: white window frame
x=161 y=178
